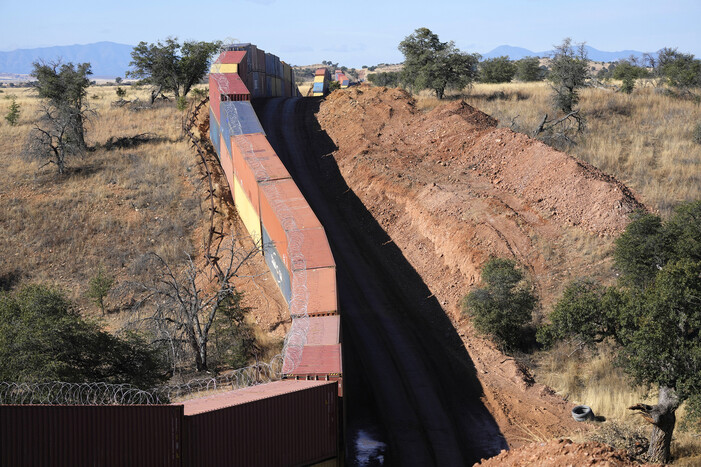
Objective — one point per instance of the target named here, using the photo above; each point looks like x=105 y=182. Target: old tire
x=582 y=413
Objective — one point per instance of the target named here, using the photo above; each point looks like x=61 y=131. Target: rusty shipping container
x=321 y=286
x=277 y=424
x=319 y=361
x=42 y=435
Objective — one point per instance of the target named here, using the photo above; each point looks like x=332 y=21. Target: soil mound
x=561 y=453
x=451 y=189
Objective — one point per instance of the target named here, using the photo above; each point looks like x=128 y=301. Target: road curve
x=408 y=379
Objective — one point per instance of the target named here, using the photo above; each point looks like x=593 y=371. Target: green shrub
x=502 y=308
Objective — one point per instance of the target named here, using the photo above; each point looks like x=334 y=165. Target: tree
x=12 y=115
x=60 y=129
x=569 y=71
x=43 y=338
x=121 y=92
x=497 y=70
x=118 y=80
x=98 y=287
x=627 y=71
x=388 y=79
x=679 y=69
x=187 y=304
x=503 y=307
x=170 y=66
x=432 y=64
x=65 y=87
x=528 y=69
x=653 y=314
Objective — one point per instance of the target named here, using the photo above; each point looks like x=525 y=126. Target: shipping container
x=278 y=87
x=269 y=85
x=224 y=68
x=282 y=209
x=226 y=88
x=319 y=87
x=114 y=435
x=226 y=162
x=260 y=157
x=214 y=131
x=276 y=424
x=324 y=330
x=277 y=267
x=321 y=287
x=261 y=60
x=319 y=361
x=247 y=212
x=321 y=72
x=319 y=79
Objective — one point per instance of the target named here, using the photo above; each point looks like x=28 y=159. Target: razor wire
x=64 y=393
x=99 y=393
x=296 y=338
x=258 y=373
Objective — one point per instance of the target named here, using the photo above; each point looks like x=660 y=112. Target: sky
x=356 y=32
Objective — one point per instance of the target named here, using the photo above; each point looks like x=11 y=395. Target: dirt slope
x=451 y=189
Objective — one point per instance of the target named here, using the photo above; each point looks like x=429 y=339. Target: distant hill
x=108 y=59
x=517 y=53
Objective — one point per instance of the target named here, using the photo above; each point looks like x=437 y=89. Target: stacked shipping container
x=322 y=76
x=274 y=211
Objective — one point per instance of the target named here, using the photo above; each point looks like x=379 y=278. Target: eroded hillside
x=452 y=189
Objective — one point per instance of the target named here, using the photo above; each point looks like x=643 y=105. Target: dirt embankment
x=452 y=189
x=562 y=453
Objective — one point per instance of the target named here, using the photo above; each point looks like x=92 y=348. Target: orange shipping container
x=321 y=288
x=282 y=204
x=324 y=330
x=256 y=151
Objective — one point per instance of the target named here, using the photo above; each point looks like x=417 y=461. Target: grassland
x=644 y=139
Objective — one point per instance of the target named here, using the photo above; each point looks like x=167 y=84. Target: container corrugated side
x=321 y=286
x=214 y=132
x=277 y=267
x=244 y=173
x=90 y=435
x=226 y=162
x=247 y=212
x=295 y=428
x=261 y=157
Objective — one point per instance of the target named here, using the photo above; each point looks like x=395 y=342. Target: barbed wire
x=64 y=393
x=100 y=393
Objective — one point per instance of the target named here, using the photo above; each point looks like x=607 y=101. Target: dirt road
x=409 y=381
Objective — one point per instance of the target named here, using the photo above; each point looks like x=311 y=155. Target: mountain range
x=516 y=53
x=110 y=59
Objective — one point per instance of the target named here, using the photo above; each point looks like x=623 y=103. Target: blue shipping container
x=238 y=118
x=318 y=87
x=277 y=266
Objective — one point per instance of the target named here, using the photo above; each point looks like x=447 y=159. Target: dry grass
x=645 y=139
x=111 y=208
x=584 y=377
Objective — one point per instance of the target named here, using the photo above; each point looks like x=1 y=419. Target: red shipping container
x=277 y=424
x=319 y=361
x=235 y=56
x=324 y=330
x=226 y=87
x=114 y=435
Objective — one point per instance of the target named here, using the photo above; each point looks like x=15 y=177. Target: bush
x=12 y=115
x=503 y=307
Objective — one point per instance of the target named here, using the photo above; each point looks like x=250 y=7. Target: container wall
x=297 y=428
x=318 y=360
x=324 y=330
x=226 y=162
x=277 y=266
x=247 y=212
x=321 y=288
x=240 y=118
x=90 y=435
x=258 y=154
x=214 y=132
x=245 y=176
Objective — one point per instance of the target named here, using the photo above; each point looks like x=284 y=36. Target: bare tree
x=187 y=303
x=53 y=138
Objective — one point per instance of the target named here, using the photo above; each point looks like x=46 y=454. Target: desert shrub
x=502 y=308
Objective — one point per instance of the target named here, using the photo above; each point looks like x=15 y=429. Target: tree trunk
x=663 y=418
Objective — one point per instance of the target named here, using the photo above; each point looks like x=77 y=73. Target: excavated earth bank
x=452 y=189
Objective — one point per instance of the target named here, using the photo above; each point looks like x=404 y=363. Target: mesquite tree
x=653 y=314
